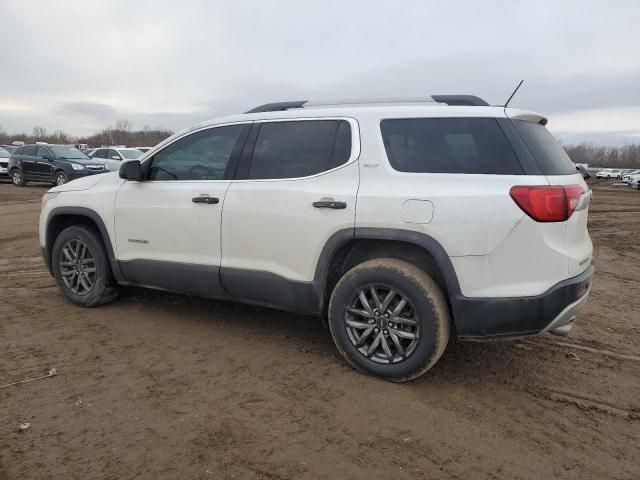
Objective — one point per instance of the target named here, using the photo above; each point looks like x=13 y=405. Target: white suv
x=403 y=223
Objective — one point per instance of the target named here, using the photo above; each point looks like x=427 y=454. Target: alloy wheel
x=60 y=179
x=382 y=324
x=77 y=267
x=16 y=177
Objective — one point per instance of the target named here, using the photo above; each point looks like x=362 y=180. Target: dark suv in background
x=56 y=164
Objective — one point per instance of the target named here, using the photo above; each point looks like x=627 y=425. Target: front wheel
x=17 y=178
x=61 y=178
x=81 y=267
x=390 y=319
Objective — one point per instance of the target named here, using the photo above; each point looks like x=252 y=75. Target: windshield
x=131 y=154
x=4 y=153
x=67 y=153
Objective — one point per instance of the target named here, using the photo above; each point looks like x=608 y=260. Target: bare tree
x=123 y=125
x=39 y=132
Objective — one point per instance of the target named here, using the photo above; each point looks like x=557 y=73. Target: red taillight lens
x=552 y=203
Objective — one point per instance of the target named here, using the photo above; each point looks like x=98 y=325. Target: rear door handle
x=330 y=204
x=205 y=199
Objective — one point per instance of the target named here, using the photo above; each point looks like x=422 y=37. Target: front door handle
x=330 y=204
x=205 y=199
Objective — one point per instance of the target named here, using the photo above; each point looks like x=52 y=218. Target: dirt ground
x=157 y=385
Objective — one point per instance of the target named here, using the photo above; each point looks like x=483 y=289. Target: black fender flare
x=431 y=245
x=102 y=229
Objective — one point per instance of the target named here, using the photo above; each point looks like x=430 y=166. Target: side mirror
x=47 y=157
x=131 y=170
x=116 y=157
x=583 y=171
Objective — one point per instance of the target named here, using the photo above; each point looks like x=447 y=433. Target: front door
x=167 y=227
x=44 y=163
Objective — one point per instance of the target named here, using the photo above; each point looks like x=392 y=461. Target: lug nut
x=386 y=315
x=372 y=321
x=376 y=330
x=391 y=324
x=386 y=332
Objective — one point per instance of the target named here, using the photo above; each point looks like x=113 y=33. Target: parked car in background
x=609 y=174
x=626 y=177
x=89 y=152
x=9 y=148
x=112 y=156
x=56 y=164
x=4 y=163
x=144 y=149
x=634 y=181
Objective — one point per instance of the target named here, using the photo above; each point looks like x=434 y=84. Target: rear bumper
x=553 y=311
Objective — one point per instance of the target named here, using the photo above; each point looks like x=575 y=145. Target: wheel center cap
x=381 y=322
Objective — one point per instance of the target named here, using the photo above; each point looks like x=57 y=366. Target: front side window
x=293 y=149
x=449 y=145
x=203 y=155
x=100 y=153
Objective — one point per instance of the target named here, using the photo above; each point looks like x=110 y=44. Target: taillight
x=549 y=203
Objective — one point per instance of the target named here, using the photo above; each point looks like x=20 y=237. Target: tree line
x=626 y=156
x=121 y=133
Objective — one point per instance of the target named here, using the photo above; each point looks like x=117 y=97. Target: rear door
x=29 y=160
x=296 y=187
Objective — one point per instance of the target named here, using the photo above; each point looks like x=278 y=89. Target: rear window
x=294 y=149
x=449 y=145
x=549 y=154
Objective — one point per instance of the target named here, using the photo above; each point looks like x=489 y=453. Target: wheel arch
x=346 y=251
x=63 y=217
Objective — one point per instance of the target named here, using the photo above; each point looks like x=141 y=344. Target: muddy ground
x=157 y=385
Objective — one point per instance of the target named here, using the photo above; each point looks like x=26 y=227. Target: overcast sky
x=79 y=65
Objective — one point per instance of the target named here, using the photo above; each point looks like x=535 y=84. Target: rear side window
x=449 y=145
x=29 y=150
x=295 y=149
x=547 y=151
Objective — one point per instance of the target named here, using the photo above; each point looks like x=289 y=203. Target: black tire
x=60 y=178
x=427 y=302
x=104 y=288
x=17 y=178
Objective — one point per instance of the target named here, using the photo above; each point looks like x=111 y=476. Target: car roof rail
x=277 y=106
x=460 y=100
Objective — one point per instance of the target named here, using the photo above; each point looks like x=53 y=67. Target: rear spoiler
x=516 y=114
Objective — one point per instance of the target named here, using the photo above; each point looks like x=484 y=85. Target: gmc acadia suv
x=404 y=223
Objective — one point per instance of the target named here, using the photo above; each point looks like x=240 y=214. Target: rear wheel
x=17 y=178
x=81 y=267
x=390 y=319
